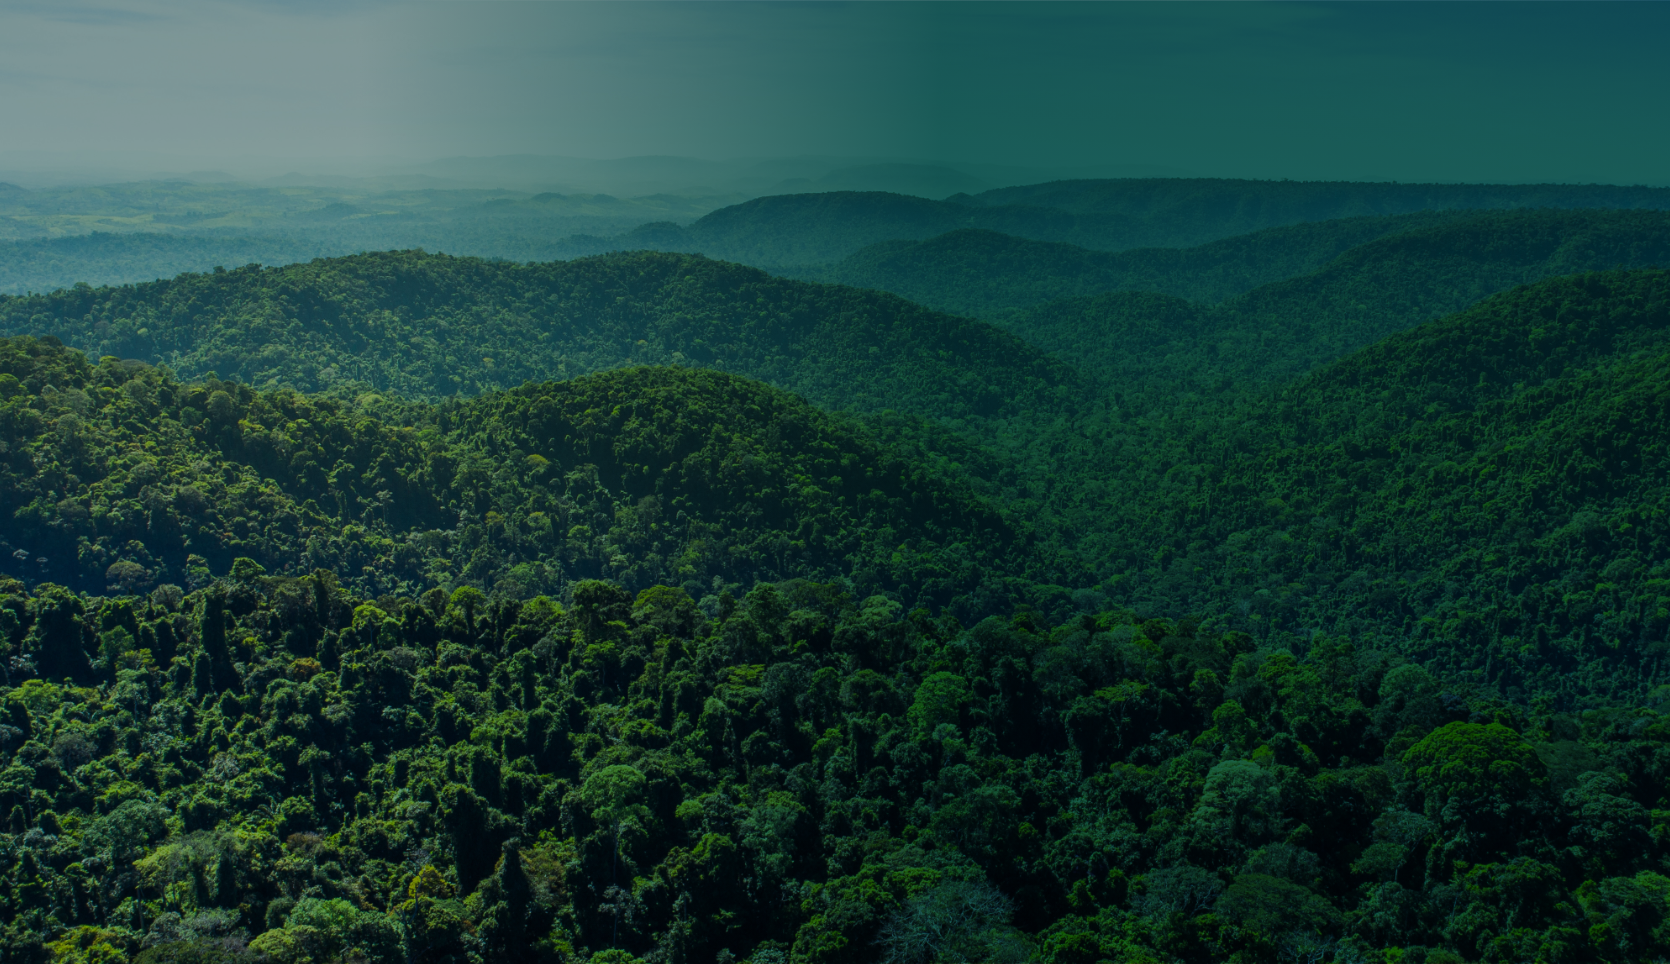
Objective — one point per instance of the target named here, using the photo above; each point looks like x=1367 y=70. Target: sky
x=1501 y=92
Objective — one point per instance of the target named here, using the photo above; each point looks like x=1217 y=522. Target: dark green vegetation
x=1163 y=499
x=117 y=474
x=987 y=275
x=801 y=776
x=1143 y=496
x=1488 y=490
x=162 y=228
x=429 y=326
x=1159 y=345
x=1198 y=209
x=1324 y=624
x=817 y=229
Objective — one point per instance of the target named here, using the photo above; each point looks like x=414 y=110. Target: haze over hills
x=536 y=173
x=798 y=233
x=125 y=233
x=186 y=207
x=816 y=229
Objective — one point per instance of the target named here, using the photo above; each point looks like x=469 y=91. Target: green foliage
x=431 y=326
x=856 y=783
x=988 y=275
x=1472 y=763
x=662 y=663
x=1484 y=491
x=1109 y=215
x=1151 y=345
x=642 y=475
x=614 y=795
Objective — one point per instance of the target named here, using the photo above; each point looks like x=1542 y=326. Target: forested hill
x=985 y=274
x=43 y=244
x=431 y=326
x=664 y=664
x=806 y=229
x=1230 y=206
x=119 y=475
x=816 y=229
x=1156 y=346
x=1488 y=489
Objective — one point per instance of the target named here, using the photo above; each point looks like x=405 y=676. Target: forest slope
x=820 y=229
x=1197 y=206
x=431 y=326
x=805 y=229
x=118 y=474
x=1489 y=488
x=157 y=229
x=984 y=274
x=1158 y=345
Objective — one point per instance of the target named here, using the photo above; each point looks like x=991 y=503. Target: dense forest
x=1297 y=597
x=1284 y=329
x=119 y=475
x=802 y=775
x=1489 y=490
x=432 y=326
x=987 y=275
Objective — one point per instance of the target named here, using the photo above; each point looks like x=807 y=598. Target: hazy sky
x=1480 y=91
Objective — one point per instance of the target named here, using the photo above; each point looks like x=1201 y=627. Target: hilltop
x=1235 y=206
x=985 y=274
x=157 y=229
x=1280 y=331
x=1115 y=215
x=641 y=475
x=431 y=326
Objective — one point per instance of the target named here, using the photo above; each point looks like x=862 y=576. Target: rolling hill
x=1370 y=666
x=1485 y=492
x=1154 y=346
x=797 y=231
x=984 y=274
x=156 y=229
x=431 y=326
x=1229 y=206
x=117 y=472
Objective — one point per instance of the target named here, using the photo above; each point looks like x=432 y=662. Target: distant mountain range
x=797 y=233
